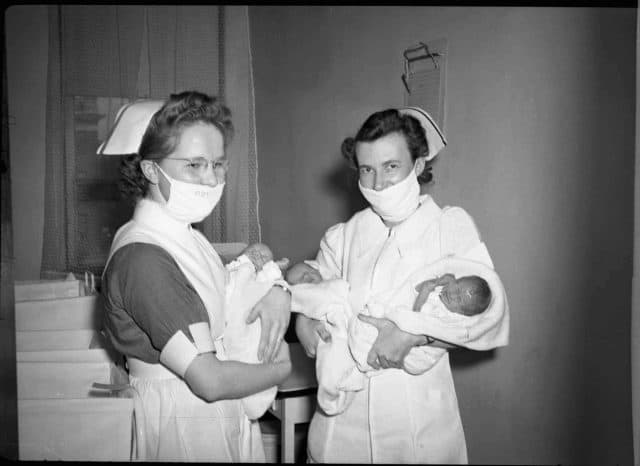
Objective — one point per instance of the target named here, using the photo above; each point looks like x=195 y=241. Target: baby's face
x=458 y=295
x=303 y=273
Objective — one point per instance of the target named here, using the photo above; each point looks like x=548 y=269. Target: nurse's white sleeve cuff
x=178 y=353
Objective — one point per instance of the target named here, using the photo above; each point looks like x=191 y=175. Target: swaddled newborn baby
x=341 y=362
x=328 y=300
x=251 y=276
x=448 y=303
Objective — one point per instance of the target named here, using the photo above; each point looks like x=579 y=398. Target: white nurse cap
x=131 y=123
x=435 y=138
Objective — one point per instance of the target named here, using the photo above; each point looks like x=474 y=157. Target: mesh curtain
x=138 y=52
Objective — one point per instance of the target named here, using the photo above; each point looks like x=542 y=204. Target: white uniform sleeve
x=330 y=255
x=328 y=262
x=315 y=300
x=460 y=237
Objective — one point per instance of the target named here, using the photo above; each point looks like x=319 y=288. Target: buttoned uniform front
x=398 y=417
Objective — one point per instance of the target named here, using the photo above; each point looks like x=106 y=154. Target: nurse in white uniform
x=164 y=288
x=398 y=417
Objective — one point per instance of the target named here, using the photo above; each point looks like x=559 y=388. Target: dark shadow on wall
x=463 y=358
x=342 y=182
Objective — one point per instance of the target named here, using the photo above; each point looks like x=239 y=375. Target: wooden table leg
x=291 y=412
x=288 y=439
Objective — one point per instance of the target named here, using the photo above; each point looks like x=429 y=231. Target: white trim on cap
x=130 y=124
x=433 y=123
x=435 y=139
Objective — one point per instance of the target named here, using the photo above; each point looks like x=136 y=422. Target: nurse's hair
x=386 y=122
x=163 y=135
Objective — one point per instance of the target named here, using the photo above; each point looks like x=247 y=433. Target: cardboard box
x=73 y=355
x=30 y=290
x=84 y=312
x=86 y=429
x=44 y=340
x=47 y=380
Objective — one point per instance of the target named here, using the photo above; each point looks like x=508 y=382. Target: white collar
x=151 y=214
x=406 y=232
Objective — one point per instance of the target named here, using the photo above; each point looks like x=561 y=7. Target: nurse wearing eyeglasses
x=164 y=288
x=399 y=417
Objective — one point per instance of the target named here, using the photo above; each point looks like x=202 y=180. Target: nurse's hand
x=274 y=310
x=309 y=332
x=392 y=344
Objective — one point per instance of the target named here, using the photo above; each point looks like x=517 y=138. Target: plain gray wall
x=540 y=122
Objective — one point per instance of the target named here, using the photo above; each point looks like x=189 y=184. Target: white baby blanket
x=240 y=340
x=340 y=372
x=338 y=376
x=480 y=332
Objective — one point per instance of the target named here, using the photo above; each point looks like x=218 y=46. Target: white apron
x=398 y=417
x=177 y=425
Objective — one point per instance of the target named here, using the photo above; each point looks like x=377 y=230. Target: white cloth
x=483 y=331
x=179 y=426
x=362 y=335
x=182 y=427
x=398 y=417
x=341 y=363
x=240 y=340
x=435 y=308
x=338 y=376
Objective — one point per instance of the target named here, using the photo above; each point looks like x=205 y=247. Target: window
x=94 y=207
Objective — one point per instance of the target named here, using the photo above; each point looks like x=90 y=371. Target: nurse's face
x=199 y=158
x=384 y=162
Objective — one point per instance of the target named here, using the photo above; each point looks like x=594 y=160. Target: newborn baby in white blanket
x=251 y=276
x=328 y=300
x=447 y=307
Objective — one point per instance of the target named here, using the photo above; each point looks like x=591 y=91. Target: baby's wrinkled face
x=458 y=295
x=303 y=273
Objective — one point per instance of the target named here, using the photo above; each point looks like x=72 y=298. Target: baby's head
x=259 y=254
x=468 y=295
x=303 y=273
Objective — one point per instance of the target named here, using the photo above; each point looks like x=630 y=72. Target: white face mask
x=395 y=203
x=190 y=202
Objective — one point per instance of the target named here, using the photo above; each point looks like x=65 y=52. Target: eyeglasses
x=199 y=165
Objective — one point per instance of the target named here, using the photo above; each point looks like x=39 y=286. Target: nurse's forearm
x=212 y=379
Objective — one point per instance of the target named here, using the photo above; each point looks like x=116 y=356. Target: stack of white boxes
x=59 y=357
